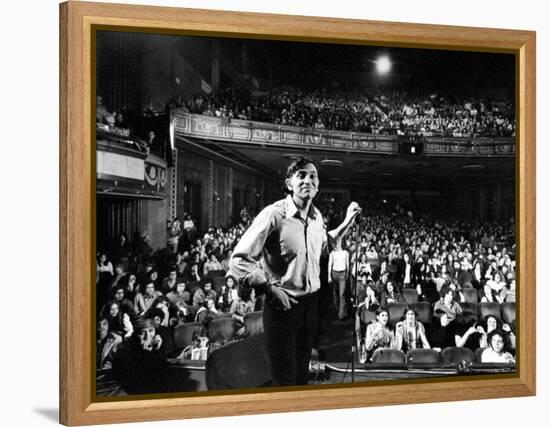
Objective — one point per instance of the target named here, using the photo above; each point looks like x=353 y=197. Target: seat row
x=424 y=311
x=221 y=329
x=424 y=356
x=471 y=295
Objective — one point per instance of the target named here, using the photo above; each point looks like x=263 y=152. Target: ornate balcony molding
x=261 y=134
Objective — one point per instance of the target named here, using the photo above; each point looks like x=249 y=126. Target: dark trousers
x=289 y=339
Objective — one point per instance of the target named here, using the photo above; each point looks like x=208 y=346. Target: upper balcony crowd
x=391 y=113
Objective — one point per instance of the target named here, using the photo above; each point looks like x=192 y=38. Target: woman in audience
x=494 y=289
x=206 y=312
x=119 y=322
x=198 y=301
x=225 y=256
x=158 y=316
x=410 y=333
x=162 y=303
x=478 y=277
x=104 y=277
x=406 y=275
x=469 y=332
x=496 y=350
x=363 y=265
x=103 y=265
x=130 y=286
x=490 y=323
x=419 y=272
x=368 y=305
x=374 y=260
x=390 y=295
x=107 y=344
x=228 y=294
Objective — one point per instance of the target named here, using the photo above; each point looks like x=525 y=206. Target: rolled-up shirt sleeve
x=244 y=263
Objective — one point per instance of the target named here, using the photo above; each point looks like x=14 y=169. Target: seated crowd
x=401 y=263
x=424 y=283
x=391 y=113
x=184 y=283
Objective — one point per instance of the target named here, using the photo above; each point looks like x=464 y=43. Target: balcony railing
x=259 y=133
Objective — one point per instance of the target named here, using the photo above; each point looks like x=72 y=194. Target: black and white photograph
x=274 y=213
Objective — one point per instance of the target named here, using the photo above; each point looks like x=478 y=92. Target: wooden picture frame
x=77 y=403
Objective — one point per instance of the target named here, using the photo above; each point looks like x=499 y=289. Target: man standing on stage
x=289 y=237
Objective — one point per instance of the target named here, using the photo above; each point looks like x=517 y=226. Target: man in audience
x=169 y=283
x=119 y=296
x=140 y=362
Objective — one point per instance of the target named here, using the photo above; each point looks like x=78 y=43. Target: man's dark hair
x=500 y=333
x=153 y=312
x=244 y=293
x=118 y=288
x=294 y=166
x=298 y=164
x=445 y=289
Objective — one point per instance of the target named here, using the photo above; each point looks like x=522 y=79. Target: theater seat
x=395 y=312
x=388 y=355
x=193 y=286
x=254 y=323
x=489 y=308
x=478 y=354
x=368 y=316
x=222 y=329
x=431 y=295
x=471 y=295
x=457 y=355
x=422 y=355
x=470 y=307
x=212 y=274
x=218 y=283
x=423 y=311
x=410 y=295
x=183 y=334
x=240 y=364
x=508 y=310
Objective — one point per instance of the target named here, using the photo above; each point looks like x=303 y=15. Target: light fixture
x=383 y=65
x=473 y=167
x=332 y=162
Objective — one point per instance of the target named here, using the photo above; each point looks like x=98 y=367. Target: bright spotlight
x=383 y=65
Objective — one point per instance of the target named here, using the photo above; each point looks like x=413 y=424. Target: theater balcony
x=265 y=134
x=132 y=188
x=125 y=168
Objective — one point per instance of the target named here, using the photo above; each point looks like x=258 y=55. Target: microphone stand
x=354 y=300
